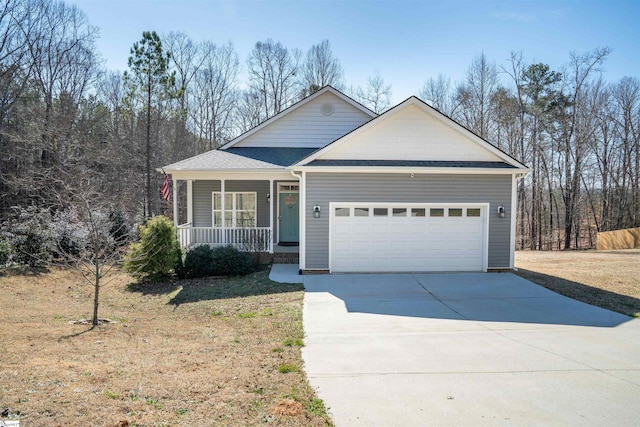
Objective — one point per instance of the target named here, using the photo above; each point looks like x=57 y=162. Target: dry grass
x=608 y=279
x=189 y=353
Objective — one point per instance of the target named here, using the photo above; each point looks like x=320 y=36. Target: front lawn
x=607 y=279
x=187 y=353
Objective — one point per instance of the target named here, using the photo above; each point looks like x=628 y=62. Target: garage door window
x=436 y=212
x=417 y=212
x=380 y=212
x=342 y=211
x=457 y=212
x=399 y=211
x=473 y=212
x=361 y=211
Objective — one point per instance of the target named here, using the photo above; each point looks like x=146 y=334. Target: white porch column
x=302 y=189
x=271 y=197
x=222 y=197
x=190 y=202
x=175 y=203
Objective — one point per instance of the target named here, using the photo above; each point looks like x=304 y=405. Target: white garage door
x=375 y=237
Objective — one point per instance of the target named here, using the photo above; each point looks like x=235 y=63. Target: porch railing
x=255 y=239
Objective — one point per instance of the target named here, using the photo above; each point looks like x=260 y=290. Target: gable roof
x=297 y=106
x=493 y=153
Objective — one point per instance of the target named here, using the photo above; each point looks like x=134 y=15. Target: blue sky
x=406 y=42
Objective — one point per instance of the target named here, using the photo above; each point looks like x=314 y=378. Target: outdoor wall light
x=501 y=211
x=268 y=197
x=316 y=211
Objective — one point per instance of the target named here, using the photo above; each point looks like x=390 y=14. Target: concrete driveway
x=466 y=349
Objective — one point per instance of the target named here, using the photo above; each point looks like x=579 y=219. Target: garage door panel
x=406 y=243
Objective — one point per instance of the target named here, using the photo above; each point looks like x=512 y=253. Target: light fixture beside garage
x=316 y=211
x=501 y=211
x=412 y=175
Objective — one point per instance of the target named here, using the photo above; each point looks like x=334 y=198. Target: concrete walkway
x=466 y=349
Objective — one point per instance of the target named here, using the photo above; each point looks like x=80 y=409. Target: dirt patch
x=195 y=353
x=608 y=279
x=288 y=407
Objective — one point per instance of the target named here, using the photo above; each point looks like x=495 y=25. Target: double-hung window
x=239 y=209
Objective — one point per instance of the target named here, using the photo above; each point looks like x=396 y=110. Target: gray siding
x=202 y=209
x=321 y=189
x=201 y=196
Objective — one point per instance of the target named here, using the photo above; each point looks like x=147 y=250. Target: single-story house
x=409 y=190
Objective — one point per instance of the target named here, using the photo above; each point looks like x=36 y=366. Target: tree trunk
x=96 y=294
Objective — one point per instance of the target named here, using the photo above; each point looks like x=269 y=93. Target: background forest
x=71 y=130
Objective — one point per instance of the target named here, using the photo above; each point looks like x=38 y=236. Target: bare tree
x=475 y=93
x=438 y=93
x=626 y=98
x=186 y=60
x=376 y=95
x=574 y=141
x=249 y=110
x=273 y=73
x=215 y=95
x=320 y=69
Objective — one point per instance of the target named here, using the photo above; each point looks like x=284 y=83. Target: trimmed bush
x=228 y=261
x=198 y=262
x=157 y=253
x=204 y=261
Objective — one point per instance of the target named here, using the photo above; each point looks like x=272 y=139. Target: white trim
x=233 y=210
x=270 y=211
x=280 y=184
x=224 y=209
x=485 y=215
x=175 y=202
x=426 y=108
x=233 y=174
x=294 y=107
x=190 y=201
x=514 y=208
x=302 y=180
x=409 y=169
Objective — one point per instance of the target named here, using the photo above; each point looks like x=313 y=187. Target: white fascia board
x=295 y=107
x=231 y=174
x=409 y=169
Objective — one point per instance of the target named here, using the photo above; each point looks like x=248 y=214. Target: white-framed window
x=239 y=209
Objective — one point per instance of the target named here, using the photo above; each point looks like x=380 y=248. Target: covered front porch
x=249 y=213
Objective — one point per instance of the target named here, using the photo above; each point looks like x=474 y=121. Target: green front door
x=289 y=218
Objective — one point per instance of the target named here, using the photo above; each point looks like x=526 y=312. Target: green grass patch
x=112 y=394
x=290 y=342
x=288 y=367
x=277 y=350
x=316 y=407
x=247 y=315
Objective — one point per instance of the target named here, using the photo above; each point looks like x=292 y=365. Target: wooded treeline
x=64 y=118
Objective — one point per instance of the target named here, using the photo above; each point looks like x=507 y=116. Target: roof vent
x=327 y=109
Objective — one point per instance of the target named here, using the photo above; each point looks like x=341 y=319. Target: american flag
x=165 y=187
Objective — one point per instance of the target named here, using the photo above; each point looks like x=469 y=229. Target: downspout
x=302 y=201
x=514 y=201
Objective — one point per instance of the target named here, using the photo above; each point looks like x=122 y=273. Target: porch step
x=286 y=258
